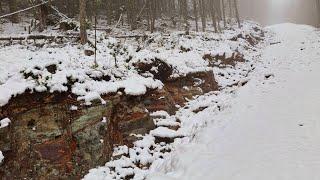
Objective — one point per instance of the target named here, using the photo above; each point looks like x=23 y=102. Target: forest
x=135 y=14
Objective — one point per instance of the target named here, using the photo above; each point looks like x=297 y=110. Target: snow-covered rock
x=4 y=122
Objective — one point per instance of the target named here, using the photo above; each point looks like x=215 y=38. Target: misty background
x=268 y=12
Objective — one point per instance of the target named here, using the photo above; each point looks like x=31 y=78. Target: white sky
x=270 y=12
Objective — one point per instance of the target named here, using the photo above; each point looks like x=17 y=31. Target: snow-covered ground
x=268 y=129
x=26 y=66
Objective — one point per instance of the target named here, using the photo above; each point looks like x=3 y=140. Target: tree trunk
x=218 y=9
x=13 y=7
x=230 y=11
x=153 y=13
x=318 y=9
x=223 y=13
x=43 y=14
x=203 y=14
x=237 y=12
x=83 y=24
x=195 y=11
x=109 y=12
x=213 y=15
x=132 y=14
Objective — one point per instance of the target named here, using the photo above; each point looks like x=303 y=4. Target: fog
x=268 y=12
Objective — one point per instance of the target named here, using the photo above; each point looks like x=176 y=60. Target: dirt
x=222 y=61
x=163 y=72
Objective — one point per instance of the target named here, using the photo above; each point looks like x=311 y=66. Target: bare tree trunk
x=237 y=12
x=195 y=11
x=223 y=13
x=132 y=14
x=153 y=13
x=203 y=14
x=218 y=9
x=109 y=12
x=83 y=24
x=148 y=14
x=43 y=14
x=13 y=7
x=213 y=15
x=318 y=9
x=185 y=10
x=230 y=11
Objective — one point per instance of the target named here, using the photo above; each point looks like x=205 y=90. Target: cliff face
x=55 y=135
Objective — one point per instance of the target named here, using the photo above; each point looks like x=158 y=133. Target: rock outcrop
x=55 y=135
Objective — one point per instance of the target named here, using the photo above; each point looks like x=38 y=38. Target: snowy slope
x=153 y=150
x=270 y=128
x=25 y=66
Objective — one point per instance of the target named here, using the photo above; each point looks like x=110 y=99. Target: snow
x=1 y=157
x=268 y=129
x=4 y=122
x=73 y=108
x=162 y=118
x=104 y=120
x=120 y=150
x=25 y=66
x=165 y=132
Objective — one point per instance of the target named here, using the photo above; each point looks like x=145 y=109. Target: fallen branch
x=35 y=37
x=60 y=13
x=132 y=36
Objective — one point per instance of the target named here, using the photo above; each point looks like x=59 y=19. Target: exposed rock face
x=47 y=139
x=55 y=135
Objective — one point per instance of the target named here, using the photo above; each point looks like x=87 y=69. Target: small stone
x=88 y=52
